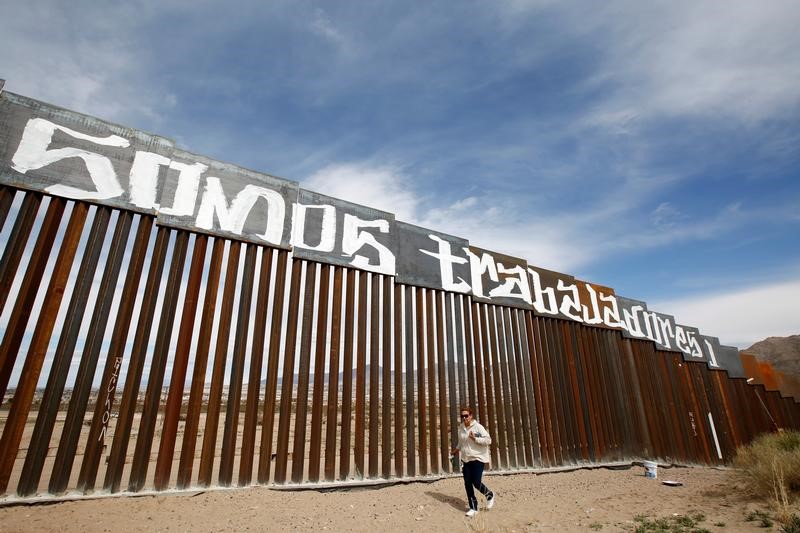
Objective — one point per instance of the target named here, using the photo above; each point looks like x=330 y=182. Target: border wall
x=169 y=321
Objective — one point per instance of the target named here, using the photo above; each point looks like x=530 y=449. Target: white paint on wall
x=446 y=261
x=32 y=154
x=353 y=239
x=232 y=217
x=327 y=236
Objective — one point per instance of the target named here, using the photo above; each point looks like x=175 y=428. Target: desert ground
x=598 y=499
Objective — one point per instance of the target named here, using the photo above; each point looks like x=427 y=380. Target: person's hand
x=455 y=451
x=472 y=435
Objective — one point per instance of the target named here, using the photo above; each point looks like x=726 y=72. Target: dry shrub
x=770 y=466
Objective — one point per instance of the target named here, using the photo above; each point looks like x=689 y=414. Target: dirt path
x=582 y=500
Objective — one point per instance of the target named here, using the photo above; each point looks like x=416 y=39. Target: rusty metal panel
x=315 y=450
x=433 y=433
x=6 y=199
x=386 y=380
x=256 y=364
x=17 y=240
x=397 y=393
x=487 y=404
x=130 y=394
x=237 y=369
x=361 y=377
x=23 y=395
x=422 y=415
x=210 y=433
x=452 y=365
x=333 y=377
x=155 y=380
x=374 y=374
x=443 y=428
x=287 y=381
x=271 y=387
x=408 y=336
x=301 y=404
x=190 y=432
x=347 y=376
x=20 y=314
x=39 y=441
x=498 y=324
x=172 y=407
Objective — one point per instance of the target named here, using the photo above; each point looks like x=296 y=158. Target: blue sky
x=653 y=147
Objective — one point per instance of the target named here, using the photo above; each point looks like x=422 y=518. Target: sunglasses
x=465 y=416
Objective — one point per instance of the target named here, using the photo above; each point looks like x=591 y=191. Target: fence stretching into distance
x=141 y=351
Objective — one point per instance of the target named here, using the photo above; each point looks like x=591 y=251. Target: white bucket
x=650 y=469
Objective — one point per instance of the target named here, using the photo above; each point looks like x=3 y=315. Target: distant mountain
x=782 y=352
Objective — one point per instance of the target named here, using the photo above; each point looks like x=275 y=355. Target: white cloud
x=700 y=58
x=740 y=317
x=379 y=187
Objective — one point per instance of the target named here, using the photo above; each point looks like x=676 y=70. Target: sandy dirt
x=582 y=500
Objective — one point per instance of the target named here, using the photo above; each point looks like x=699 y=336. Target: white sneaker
x=471 y=512
x=490 y=503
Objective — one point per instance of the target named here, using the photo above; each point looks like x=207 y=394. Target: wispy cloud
x=741 y=317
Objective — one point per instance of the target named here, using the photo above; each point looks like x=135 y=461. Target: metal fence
x=136 y=356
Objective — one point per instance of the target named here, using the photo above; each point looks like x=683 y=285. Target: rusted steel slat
x=595 y=442
x=609 y=377
x=95 y=442
x=622 y=393
x=444 y=426
x=319 y=375
x=190 y=430
x=677 y=450
x=398 y=380
x=271 y=388
x=518 y=389
x=172 y=407
x=254 y=377
x=531 y=435
x=452 y=386
x=538 y=378
x=603 y=389
x=511 y=391
x=361 y=363
x=556 y=405
x=6 y=199
x=577 y=388
x=430 y=342
x=155 y=381
x=17 y=322
x=23 y=396
x=565 y=413
x=459 y=356
x=73 y=422
x=374 y=375
x=397 y=377
x=570 y=408
x=130 y=395
x=231 y=431
x=287 y=383
x=39 y=441
x=500 y=425
x=386 y=381
x=17 y=239
x=422 y=410
x=721 y=381
x=470 y=337
x=301 y=405
x=347 y=376
x=486 y=368
x=476 y=361
x=645 y=442
x=333 y=377
x=209 y=450
x=408 y=338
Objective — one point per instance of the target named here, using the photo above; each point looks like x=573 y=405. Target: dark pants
x=473 y=472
